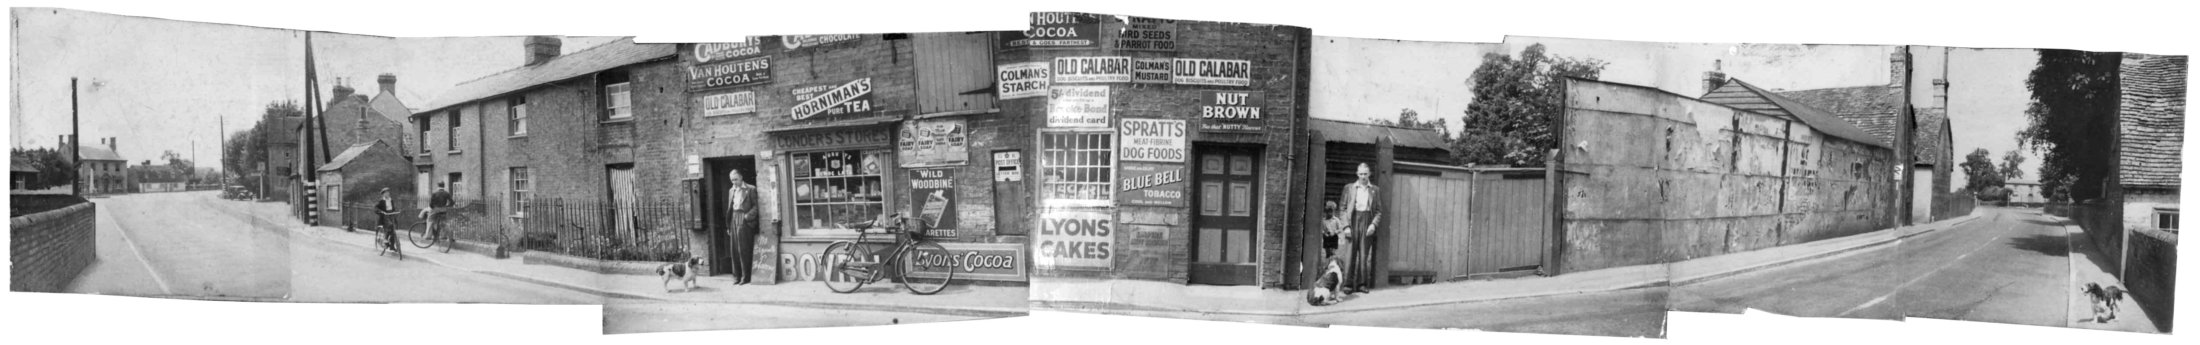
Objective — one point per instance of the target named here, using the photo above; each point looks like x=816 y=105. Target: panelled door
x=1227 y=213
x=622 y=199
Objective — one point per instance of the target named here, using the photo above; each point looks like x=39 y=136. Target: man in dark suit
x=741 y=226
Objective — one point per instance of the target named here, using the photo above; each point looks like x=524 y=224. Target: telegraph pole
x=76 y=154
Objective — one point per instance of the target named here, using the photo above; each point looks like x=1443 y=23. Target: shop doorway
x=1227 y=214
x=715 y=185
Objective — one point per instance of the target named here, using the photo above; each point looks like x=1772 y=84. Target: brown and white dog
x=1328 y=287
x=683 y=271
x=2105 y=300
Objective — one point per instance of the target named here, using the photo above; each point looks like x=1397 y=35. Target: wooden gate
x=1453 y=223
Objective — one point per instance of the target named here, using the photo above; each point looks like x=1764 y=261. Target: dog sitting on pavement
x=2105 y=300
x=683 y=271
x=1328 y=288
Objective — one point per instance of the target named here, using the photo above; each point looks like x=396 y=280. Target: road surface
x=630 y=316
x=1624 y=313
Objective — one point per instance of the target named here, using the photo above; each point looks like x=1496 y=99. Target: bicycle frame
x=889 y=260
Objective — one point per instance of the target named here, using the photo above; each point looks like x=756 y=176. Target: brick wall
x=49 y=249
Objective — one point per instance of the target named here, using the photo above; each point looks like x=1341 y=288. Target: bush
x=547 y=241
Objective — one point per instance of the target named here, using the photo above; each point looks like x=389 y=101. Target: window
x=519 y=192
x=2165 y=219
x=518 y=114
x=452 y=137
x=423 y=125
x=332 y=198
x=1077 y=168
x=833 y=188
x=458 y=184
x=618 y=101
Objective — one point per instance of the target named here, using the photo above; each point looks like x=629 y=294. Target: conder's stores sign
x=1075 y=239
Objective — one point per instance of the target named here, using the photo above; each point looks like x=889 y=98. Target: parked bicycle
x=429 y=230
x=859 y=262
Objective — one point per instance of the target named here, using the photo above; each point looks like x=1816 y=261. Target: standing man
x=741 y=226
x=1361 y=205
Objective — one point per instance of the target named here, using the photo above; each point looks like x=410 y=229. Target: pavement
x=2089 y=265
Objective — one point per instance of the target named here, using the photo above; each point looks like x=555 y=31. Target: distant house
x=2025 y=192
x=2153 y=117
x=102 y=169
x=21 y=173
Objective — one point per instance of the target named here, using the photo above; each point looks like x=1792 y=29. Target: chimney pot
x=542 y=49
x=341 y=93
x=1714 y=79
x=388 y=81
x=1898 y=68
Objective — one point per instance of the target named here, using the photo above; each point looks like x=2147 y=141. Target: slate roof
x=1364 y=133
x=390 y=107
x=1741 y=95
x=349 y=154
x=2153 y=120
x=1872 y=108
x=95 y=153
x=18 y=164
x=618 y=53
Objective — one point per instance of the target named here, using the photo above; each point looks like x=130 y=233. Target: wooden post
x=1557 y=210
x=1384 y=155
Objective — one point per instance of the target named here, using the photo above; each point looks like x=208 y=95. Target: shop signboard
x=834 y=138
x=1151 y=71
x=1152 y=184
x=1152 y=140
x=1231 y=111
x=805 y=262
x=750 y=71
x=1025 y=79
x=704 y=53
x=1147 y=34
x=845 y=99
x=1078 y=106
x=1075 y=239
x=1212 y=72
x=727 y=103
x=935 y=142
x=976 y=261
x=932 y=194
x=1092 y=69
x=795 y=42
x=1055 y=30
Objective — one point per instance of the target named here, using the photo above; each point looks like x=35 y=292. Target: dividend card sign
x=728 y=103
x=1078 y=106
x=1021 y=80
x=1152 y=184
x=1230 y=111
x=1152 y=140
x=1212 y=72
x=851 y=98
x=1092 y=69
x=1075 y=239
x=1149 y=34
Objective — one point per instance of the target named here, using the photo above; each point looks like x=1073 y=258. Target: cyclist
x=438 y=202
x=386 y=209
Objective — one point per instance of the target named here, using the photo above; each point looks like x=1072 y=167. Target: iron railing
x=642 y=230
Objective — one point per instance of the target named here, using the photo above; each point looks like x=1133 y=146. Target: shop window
x=521 y=188
x=1077 y=168
x=518 y=116
x=835 y=188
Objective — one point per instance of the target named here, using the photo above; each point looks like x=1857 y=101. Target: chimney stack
x=341 y=92
x=1898 y=68
x=541 y=49
x=389 y=83
x=111 y=145
x=1940 y=93
x=1714 y=79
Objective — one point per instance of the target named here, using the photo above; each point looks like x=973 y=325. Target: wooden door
x=1227 y=214
x=622 y=200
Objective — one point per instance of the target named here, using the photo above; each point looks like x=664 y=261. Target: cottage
x=352 y=182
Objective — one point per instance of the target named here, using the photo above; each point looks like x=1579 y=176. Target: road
x=1624 y=313
x=2008 y=266
x=197 y=245
x=629 y=316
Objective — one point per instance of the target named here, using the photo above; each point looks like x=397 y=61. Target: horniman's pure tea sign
x=1152 y=184
x=851 y=98
x=1056 y=30
x=1152 y=140
x=1212 y=72
x=1092 y=69
x=728 y=103
x=1230 y=111
x=1027 y=79
x=1075 y=239
x=1078 y=106
x=1150 y=34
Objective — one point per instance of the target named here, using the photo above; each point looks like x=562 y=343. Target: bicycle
x=386 y=242
x=420 y=235
x=902 y=262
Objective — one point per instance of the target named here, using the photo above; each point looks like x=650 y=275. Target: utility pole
x=76 y=152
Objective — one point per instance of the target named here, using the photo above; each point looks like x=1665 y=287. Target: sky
x=1363 y=80
x=1986 y=101
x=158 y=85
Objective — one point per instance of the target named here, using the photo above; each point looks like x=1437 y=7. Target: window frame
x=885 y=200
x=516 y=116
x=1045 y=167
x=519 y=189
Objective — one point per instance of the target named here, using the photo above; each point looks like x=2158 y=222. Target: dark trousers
x=741 y=241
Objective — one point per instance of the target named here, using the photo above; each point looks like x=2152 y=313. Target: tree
x=1412 y=119
x=1515 y=102
x=53 y=166
x=2009 y=165
x=1979 y=172
x=246 y=149
x=2075 y=99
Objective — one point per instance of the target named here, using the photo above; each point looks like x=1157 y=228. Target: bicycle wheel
x=926 y=282
x=838 y=276
x=418 y=234
x=443 y=234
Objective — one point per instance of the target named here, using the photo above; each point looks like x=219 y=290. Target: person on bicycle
x=438 y=203
x=386 y=210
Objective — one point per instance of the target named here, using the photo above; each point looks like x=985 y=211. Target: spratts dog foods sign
x=982 y=261
x=1151 y=34
x=1212 y=72
x=1152 y=140
x=1231 y=111
x=1020 y=80
x=1092 y=69
x=1075 y=240
x=851 y=98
